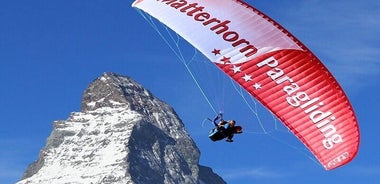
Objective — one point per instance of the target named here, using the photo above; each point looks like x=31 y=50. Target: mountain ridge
x=123 y=134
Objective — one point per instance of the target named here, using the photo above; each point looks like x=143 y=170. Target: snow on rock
x=123 y=134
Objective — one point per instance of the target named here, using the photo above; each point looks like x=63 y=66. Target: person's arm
x=219 y=117
x=222 y=123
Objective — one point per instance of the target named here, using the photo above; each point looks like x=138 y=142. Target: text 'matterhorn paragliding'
x=273 y=66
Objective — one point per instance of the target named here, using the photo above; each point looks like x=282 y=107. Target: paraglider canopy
x=271 y=65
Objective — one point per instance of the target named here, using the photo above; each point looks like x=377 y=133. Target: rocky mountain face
x=123 y=134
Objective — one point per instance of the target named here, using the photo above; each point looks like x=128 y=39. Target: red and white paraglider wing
x=273 y=66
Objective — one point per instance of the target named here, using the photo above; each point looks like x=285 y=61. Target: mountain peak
x=112 y=90
x=123 y=134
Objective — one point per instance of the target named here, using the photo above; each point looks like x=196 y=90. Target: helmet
x=232 y=122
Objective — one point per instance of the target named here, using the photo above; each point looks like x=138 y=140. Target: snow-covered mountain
x=123 y=134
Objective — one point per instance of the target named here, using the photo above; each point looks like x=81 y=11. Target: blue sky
x=51 y=50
